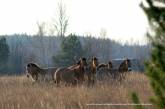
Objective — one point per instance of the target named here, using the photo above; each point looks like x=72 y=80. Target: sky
x=123 y=20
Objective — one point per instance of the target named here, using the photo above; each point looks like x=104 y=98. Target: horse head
x=31 y=69
x=95 y=62
x=124 y=66
x=83 y=63
x=110 y=66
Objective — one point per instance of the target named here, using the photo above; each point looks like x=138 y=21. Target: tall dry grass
x=18 y=92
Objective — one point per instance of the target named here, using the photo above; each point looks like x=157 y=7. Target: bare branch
x=61 y=24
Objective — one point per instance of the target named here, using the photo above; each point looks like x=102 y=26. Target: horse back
x=64 y=74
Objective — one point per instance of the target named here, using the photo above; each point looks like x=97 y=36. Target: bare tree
x=40 y=49
x=103 y=33
x=61 y=23
x=41 y=29
x=104 y=45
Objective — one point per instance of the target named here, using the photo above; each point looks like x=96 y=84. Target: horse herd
x=80 y=72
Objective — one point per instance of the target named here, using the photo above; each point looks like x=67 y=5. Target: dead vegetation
x=17 y=92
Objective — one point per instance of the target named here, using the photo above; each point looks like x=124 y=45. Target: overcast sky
x=122 y=19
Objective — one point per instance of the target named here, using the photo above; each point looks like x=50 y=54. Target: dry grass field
x=18 y=92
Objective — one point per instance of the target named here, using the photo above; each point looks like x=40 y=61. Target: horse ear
x=94 y=58
x=110 y=63
x=127 y=59
x=28 y=65
x=84 y=59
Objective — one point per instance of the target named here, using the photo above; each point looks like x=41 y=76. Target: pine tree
x=71 y=50
x=4 y=54
x=155 y=68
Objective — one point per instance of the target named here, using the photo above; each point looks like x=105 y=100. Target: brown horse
x=34 y=71
x=91 y=71
x=71 y=75
x=104 y=71
x=109 y=65
x=123 y=68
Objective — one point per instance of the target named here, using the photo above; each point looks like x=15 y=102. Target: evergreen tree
x=4 y=54
x=136 y=100
x=155 y=68
x=71 y=50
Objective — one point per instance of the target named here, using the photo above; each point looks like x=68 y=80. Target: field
x=18 y=92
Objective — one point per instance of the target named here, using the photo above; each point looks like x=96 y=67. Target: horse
x=71 y=75
x=34 y=71
x=124 y=67
x=109 y=65
x=91 y=71
x=104 y=70
x=120 y=72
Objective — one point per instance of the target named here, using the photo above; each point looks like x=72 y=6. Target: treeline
x=63 y=51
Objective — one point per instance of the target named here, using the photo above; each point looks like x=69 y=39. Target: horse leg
x=89 y=80
x=75 y=81
x=44 y=77
x=34 y=77
x=125 y=74
x=121 y=76
x=109 y=75
x=115 y=74
x=88 y=83
x=53 y=78
x=93 y=80
x=57 y=82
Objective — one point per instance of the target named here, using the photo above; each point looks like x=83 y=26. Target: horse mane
x=84 y=59
x=31 y=64
x=102 y=65
x=122 y=64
